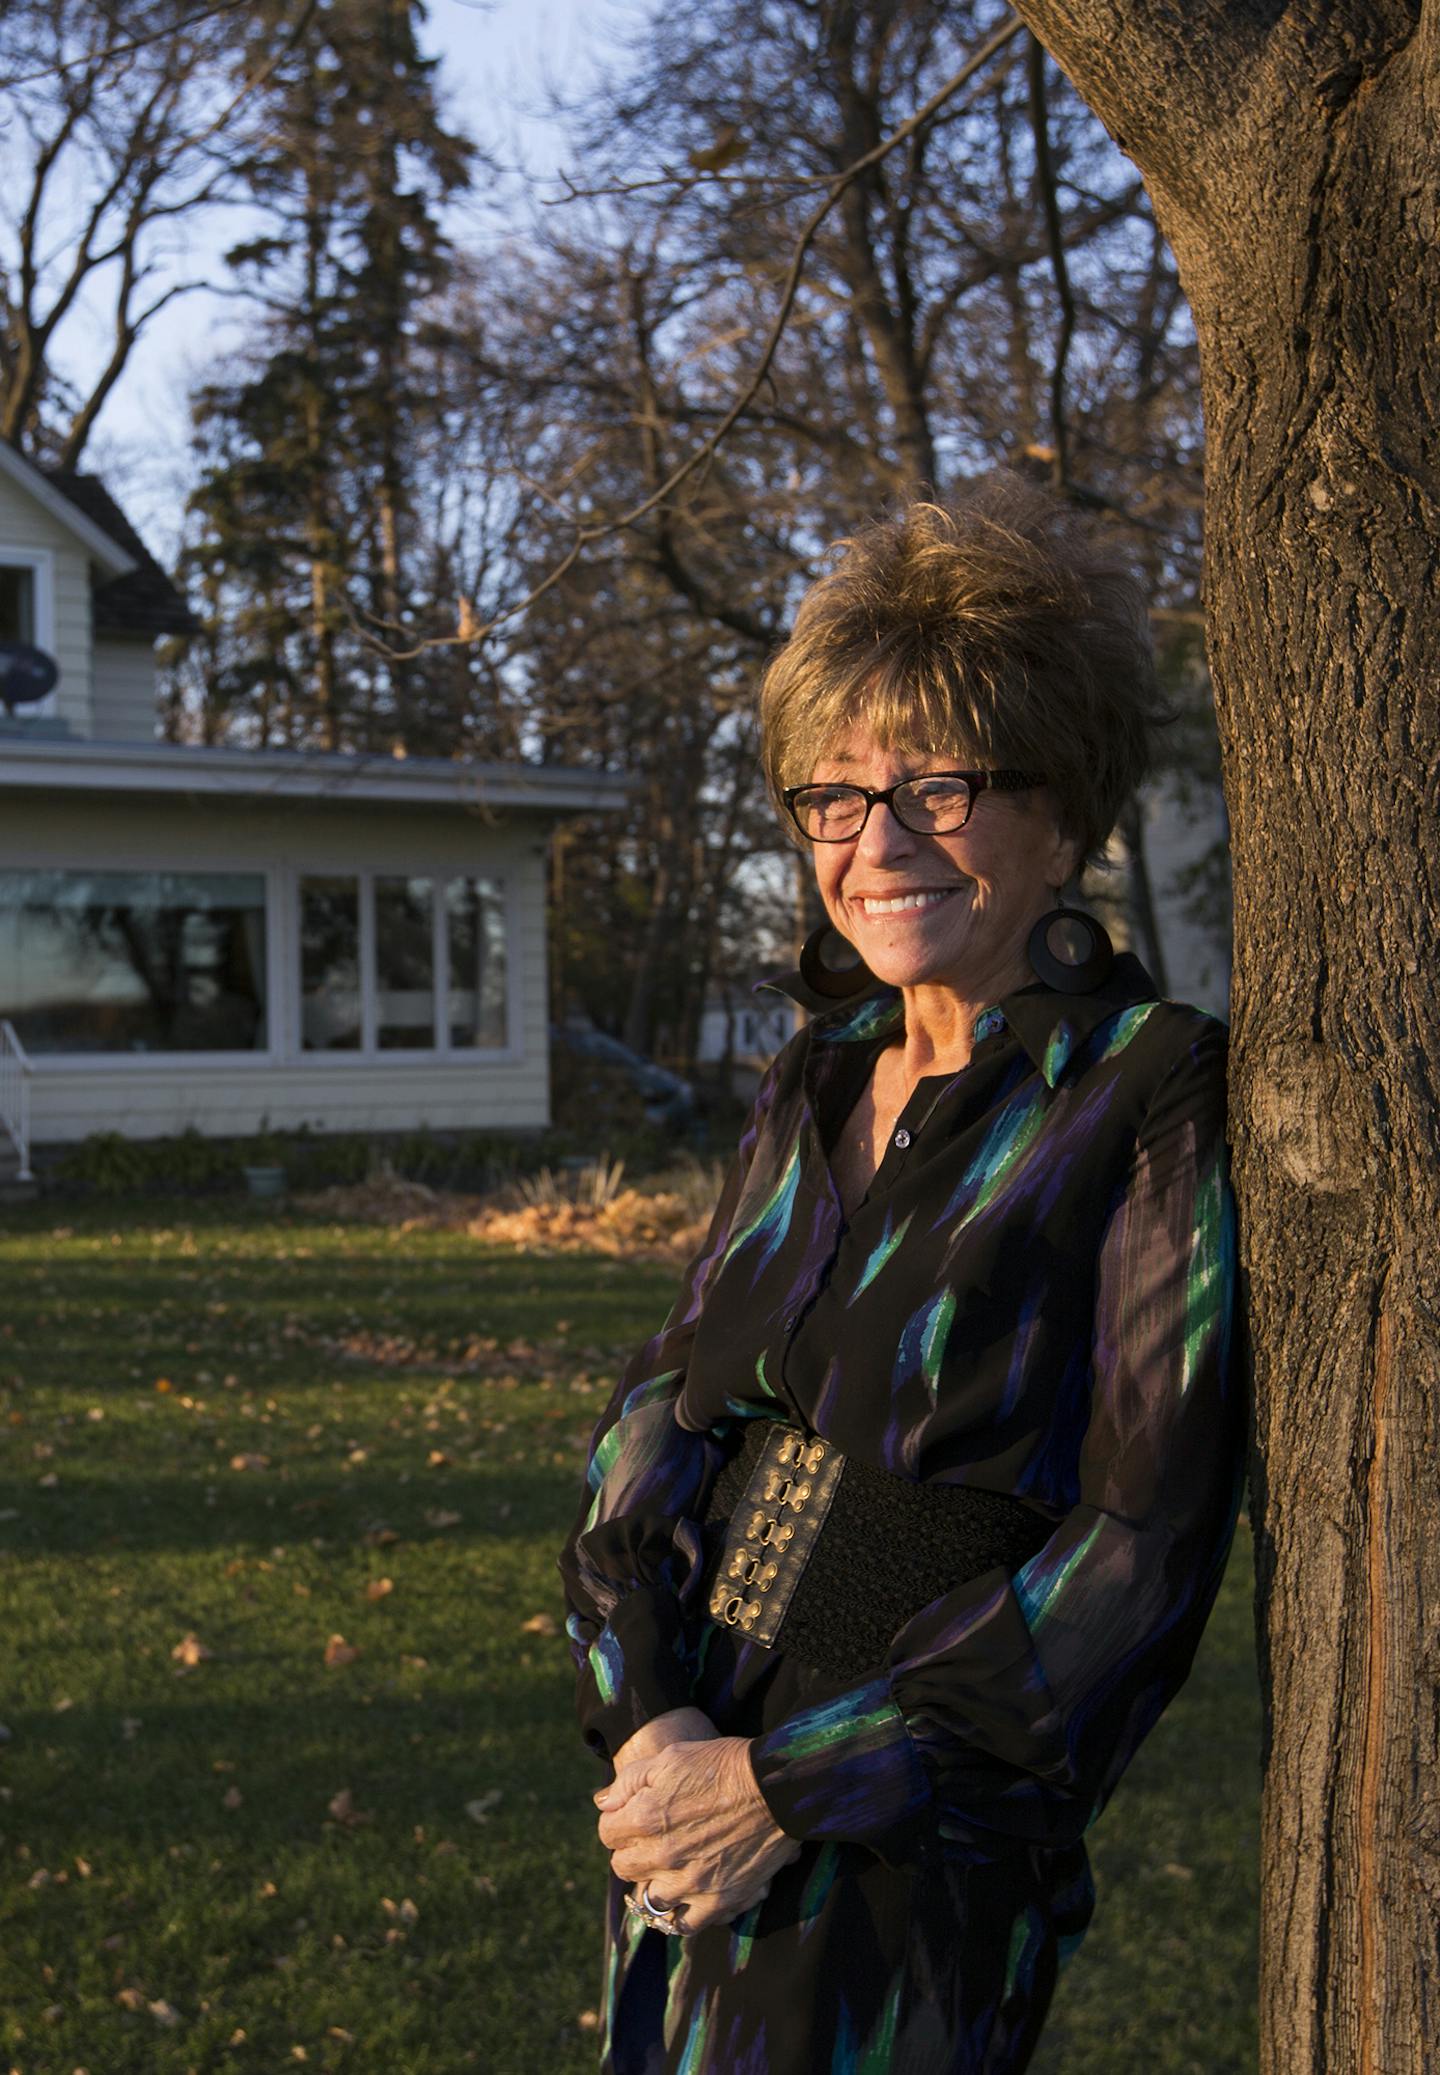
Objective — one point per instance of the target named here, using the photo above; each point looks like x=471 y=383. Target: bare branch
x=111 y=51
x=1045 y=177
x=585 y=536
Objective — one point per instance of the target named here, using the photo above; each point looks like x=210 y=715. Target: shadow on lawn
x=89 y=1514
x=404 y=1764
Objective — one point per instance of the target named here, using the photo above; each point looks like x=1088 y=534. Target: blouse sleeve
x=1010 y=1706
x=632 y=1563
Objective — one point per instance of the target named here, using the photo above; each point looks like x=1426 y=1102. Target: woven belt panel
x=826 y=1557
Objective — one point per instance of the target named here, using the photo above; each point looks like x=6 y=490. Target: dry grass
x=663 y=1218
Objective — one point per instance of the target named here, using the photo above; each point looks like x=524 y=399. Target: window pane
x=330 y=965
x=475 y=919
x=404 y=964
x=134 y=961
x=17 y=603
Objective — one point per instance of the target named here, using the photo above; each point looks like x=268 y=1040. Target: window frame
x=369 y=1052
x=41 y=564
x=167 y=1062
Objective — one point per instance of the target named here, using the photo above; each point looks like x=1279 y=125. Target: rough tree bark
x=1290 y=148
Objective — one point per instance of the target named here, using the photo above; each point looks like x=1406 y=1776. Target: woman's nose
x=883 y=836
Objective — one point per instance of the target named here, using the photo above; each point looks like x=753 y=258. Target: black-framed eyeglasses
x=937 y=803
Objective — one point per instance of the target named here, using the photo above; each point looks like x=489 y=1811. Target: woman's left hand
x=692 y=1824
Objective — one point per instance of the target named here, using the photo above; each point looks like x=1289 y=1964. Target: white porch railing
x=15 y=1071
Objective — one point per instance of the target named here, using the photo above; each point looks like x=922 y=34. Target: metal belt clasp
x=773 y=1530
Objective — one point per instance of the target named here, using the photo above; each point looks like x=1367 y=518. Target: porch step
x=12 y=1189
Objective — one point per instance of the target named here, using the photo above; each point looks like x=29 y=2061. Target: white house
x=227 y=938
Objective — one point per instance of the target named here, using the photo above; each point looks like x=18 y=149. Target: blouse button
x=902 y=1138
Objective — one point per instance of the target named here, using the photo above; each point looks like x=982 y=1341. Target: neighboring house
x=232 y=938
x=747 y=1029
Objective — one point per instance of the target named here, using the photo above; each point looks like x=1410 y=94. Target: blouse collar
x=1050 y=1025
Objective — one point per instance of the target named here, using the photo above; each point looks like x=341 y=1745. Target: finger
x=625 y=1785
x=639 y=1821
x=638 y=1863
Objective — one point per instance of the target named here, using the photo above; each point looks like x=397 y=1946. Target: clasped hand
x=687 y=1819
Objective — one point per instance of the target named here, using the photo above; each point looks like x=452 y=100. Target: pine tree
x=300 y=525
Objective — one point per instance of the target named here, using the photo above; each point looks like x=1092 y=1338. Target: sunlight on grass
x=225 y=1432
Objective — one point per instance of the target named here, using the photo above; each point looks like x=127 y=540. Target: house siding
x=157 y=1094
x=27 y=525
x=123 y=691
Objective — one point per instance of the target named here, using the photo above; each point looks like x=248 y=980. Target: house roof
x=142 y=601
x=37 y=764
x=111 y=556
x=133 y=595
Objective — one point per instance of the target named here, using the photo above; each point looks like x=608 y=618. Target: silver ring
x=658 y=1916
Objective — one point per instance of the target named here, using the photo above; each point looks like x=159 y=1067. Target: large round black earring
x=830 y=965
x=1069 y=950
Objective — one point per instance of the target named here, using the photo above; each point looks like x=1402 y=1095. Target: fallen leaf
x=247 y=1460
x=588 y=2020
x=162 y=1383
x=342 y=1808
x=339 y=2032
x=479 y=1809
x=436 y=1457
x=83 y=1868
x=438 y=1517
x=379 y=1587
x=49 y=1482
x=232 y=1798
x=381 y=1537
x=540 y=1625
x=130 y=1999
x=338 y=1651
x=190 y=1650
x=163 y=2013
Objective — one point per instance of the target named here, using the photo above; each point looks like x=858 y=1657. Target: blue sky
x=499 y=59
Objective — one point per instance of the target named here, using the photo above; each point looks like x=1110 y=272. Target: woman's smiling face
x=952 y=911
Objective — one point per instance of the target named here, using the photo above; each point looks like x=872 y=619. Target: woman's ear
x=1068 y=854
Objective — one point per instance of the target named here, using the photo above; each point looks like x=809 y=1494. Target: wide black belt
x=818 y=1554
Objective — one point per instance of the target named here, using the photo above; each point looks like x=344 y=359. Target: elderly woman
x=902 y=1532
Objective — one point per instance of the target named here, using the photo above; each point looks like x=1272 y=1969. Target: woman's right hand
x=692 y=1821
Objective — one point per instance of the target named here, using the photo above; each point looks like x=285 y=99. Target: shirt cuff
x=846 y=1768
x=636 y=1668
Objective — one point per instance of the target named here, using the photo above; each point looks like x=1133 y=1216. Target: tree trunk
x=1290 y=152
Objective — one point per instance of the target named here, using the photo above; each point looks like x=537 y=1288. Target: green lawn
x=259 y=1859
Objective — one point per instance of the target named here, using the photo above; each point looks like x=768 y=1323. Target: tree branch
x=585 y=535
x=1045 y=178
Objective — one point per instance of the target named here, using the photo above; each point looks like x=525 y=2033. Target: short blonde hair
x=996 y=630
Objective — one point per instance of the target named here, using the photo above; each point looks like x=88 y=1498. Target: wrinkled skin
x=684 y=1815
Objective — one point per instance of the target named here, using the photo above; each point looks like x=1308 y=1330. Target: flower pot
x=265 y=1181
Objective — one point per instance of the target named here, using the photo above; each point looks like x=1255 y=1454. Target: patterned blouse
x=1034 y=1297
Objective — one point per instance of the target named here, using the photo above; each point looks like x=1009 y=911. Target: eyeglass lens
x=925 y=806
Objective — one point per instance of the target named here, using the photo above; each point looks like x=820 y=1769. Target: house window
x=330 y=1009
x=403 y=963
x=134 y=962
x=475 y=932
x=17 y=603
